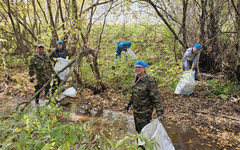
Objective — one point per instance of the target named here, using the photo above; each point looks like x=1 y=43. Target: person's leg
x=195 y=73
x=56 y=83
x=47 y=88
x=140 y=122
x=187 y=65
x=37 y=87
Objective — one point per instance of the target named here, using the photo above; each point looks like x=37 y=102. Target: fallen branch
x=217 y=115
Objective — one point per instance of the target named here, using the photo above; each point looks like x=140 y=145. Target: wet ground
x=116 y=125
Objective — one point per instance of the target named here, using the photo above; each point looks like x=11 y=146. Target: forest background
x=160 y=32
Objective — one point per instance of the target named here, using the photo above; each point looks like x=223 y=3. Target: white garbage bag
x=71 y=92
x=129 y=52
x=186 y=84
x=61 y=63
x=156 y=132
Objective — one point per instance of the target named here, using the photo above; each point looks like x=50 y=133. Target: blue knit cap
x=59 y=42
x=120 y=45
x=142 y=63
x=197 y=46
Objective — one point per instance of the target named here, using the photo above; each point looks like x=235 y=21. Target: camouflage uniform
x=42 y=67
x=144 y=96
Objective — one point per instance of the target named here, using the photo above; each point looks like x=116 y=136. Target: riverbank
x=215 y=119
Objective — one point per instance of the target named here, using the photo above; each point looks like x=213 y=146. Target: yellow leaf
x=190 y=141
x=17 y=130
x=134 y=135
x=121 y=113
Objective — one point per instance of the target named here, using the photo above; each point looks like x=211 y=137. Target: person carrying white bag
x=144 y=97
x=57 y=56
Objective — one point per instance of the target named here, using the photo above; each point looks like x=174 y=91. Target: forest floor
x=212 y=117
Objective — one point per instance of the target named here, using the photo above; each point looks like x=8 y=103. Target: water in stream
x=120 y=125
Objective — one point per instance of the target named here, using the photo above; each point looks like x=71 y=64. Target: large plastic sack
x=61 y=63
x=71 y=92
x=155 y=132
x=186 y=84
x=129 y=52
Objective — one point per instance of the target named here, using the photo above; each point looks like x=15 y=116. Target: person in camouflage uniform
x=144 y=97
x=40 y=65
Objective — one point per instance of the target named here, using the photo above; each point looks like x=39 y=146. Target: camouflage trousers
x=141 y=120
x=39 y=86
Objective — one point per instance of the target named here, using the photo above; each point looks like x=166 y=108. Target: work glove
x=160 y=118
x=127 y=107
x=55 y=59
x=31 y=79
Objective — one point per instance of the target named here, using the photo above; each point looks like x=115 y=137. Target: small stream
x=116 y=125
x=120 y=125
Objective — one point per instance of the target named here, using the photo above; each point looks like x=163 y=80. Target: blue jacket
x=122 y=46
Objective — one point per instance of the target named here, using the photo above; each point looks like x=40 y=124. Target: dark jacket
x=59 y=53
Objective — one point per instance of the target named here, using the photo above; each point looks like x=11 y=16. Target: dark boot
x=141 y=147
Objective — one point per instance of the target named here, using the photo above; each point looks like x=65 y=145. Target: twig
x=223 y=116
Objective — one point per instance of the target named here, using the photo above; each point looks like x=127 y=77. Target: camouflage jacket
x=42 y=67
x=145 y=96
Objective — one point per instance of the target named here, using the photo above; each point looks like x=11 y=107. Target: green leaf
x=47 y=147
x=111 y=143
x=22 y=136
x=19 y=147
x=39 y=144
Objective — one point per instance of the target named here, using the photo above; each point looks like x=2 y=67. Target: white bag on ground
x=186 y=84
x=71 y=92
x=61 y=63
x=131 y=53
x=156 y=132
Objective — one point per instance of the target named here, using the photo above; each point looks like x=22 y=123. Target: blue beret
x=120 y=45
x=142 y=63
x=59 y=42
x=197 y=46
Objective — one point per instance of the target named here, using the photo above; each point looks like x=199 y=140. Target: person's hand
x=55 y=59
x=160 y=118
x=31 y=79
x=126 y=107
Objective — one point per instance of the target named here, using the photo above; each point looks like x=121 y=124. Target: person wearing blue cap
x=122 y=46
x=59 y=52
x=190 y=59
x=144 y=97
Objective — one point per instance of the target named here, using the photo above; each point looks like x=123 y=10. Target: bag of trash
x=71 y=92
x=61 y=63
x=129 y=52
x=186 y=84
x=155 y=132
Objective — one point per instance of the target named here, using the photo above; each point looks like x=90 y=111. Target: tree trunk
x=53 y=28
